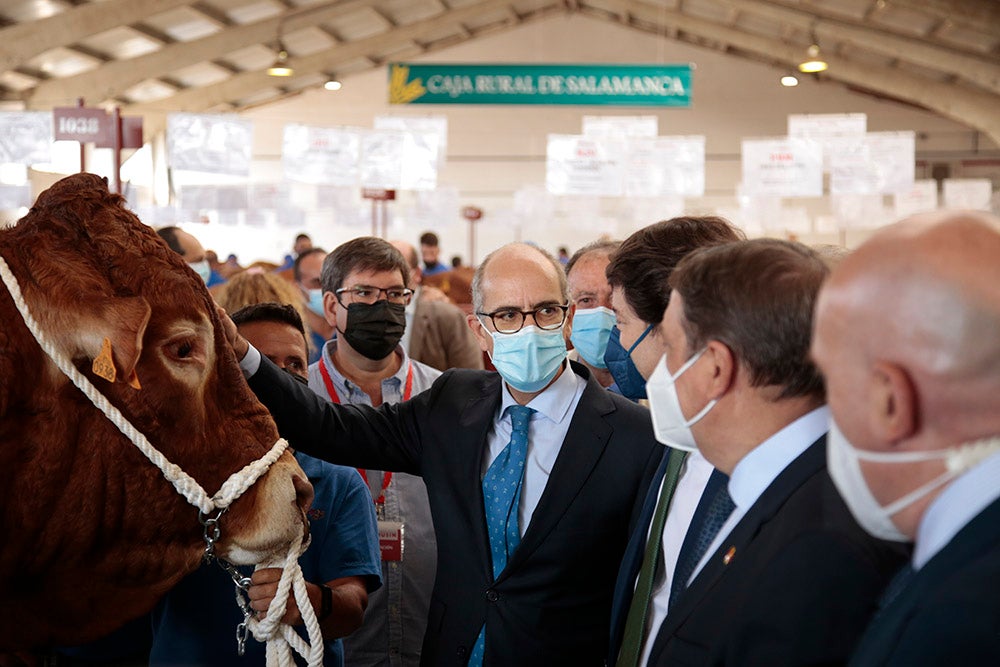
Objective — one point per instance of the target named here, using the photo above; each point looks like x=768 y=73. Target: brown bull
x=91 y=534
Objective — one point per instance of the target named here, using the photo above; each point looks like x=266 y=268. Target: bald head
x=409 y=252
x=925 y=291
x=510 y=261
x=923 y=294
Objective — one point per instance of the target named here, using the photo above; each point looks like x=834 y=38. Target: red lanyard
x=407 y=391
x=328 y=381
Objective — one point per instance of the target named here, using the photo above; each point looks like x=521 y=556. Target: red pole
x=83 y=148
x=116 y=149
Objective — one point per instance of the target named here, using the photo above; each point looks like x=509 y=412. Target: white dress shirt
x=554 y=409
x=691 y=484
x=957 y=505
x=758 y=469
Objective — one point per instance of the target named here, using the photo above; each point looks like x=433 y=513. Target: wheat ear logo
x=402 y=91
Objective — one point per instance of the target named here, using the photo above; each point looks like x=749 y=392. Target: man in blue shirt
x=195 y=623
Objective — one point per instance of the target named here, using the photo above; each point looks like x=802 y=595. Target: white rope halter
x=278 y=652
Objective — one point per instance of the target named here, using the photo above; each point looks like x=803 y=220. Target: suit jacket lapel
x=978 y=537
x=791 y=478
x=474 y=425
x=632 y=560
x=585 y=441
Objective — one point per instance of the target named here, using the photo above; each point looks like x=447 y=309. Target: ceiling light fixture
x=789 y=81
x=814 y=61
x=280 y=66
x=333 y=84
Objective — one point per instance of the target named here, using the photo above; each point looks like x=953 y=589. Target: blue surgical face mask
x=203 y=269
x=529 y=359
x=619 y=361
x=591 y=331
x=315 y=303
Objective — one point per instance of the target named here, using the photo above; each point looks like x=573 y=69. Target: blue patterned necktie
x=501 y=498
x=713 y=509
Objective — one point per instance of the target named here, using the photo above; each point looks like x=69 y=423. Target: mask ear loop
x=637 y=340
x=957 y=461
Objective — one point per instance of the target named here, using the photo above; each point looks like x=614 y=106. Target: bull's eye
x=185 y=349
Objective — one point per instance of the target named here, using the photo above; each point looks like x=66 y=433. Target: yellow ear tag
x=104 y=365
x=133 y=380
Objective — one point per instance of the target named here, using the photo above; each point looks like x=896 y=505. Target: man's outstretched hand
x=236 y=341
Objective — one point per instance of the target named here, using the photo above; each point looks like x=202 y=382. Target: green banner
x=614 y=85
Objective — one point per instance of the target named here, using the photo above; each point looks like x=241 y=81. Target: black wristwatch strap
x=326 y=602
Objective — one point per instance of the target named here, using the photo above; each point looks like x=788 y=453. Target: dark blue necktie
x=896 y=585
x=713 y=509
x=501 y=497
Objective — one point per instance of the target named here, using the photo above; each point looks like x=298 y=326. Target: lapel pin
x=729 y=555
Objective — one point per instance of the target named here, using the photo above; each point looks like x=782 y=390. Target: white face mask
x=843 y=462
x=669 y=426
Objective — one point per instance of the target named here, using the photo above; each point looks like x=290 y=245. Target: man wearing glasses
x=365 y=294
x=531 y=472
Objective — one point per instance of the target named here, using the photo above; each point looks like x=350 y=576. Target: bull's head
x=92 y=533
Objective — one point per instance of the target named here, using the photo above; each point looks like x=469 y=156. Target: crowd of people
x=683 y=448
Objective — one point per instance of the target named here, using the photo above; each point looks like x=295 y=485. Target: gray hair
x=477 y=278
x=601 y=246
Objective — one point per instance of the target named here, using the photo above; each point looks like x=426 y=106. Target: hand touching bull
x=340 y=566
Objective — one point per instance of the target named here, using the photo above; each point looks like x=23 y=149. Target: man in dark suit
x=908 y=334
x=638 y=273
x=789 y=578
x=527 y=558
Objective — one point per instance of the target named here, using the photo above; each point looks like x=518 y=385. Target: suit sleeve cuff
x=250 y=363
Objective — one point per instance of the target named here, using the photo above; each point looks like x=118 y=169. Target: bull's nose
x=303 y=491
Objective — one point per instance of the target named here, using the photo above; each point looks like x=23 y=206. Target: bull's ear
x=128 y=317
x=122 y=323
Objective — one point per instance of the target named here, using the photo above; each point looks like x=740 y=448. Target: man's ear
x=892 y=402
x=330 y=309
x=482 y=337
x=723 y=368
x=568 y=325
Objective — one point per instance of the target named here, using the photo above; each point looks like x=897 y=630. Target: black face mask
x=374 y=329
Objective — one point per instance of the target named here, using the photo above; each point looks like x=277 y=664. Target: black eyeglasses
x=511 y=320
x=369 y=295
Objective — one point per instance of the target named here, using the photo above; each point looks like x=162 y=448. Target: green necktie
x=638 y=611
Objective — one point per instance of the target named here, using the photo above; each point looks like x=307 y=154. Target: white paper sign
x=421 y=157
x=584 y=165
x=269 y=196
x=218 y=144
x=322 y=155
x=782 y=167
x=436 y=125
x=923 y=196
x=877 y=163
x=404 y=160
x=664 y=166
x=214 y=197
x=827 y=125
x=824 y=127
x=25 y=137
x=620 y=126
x=968 y=193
